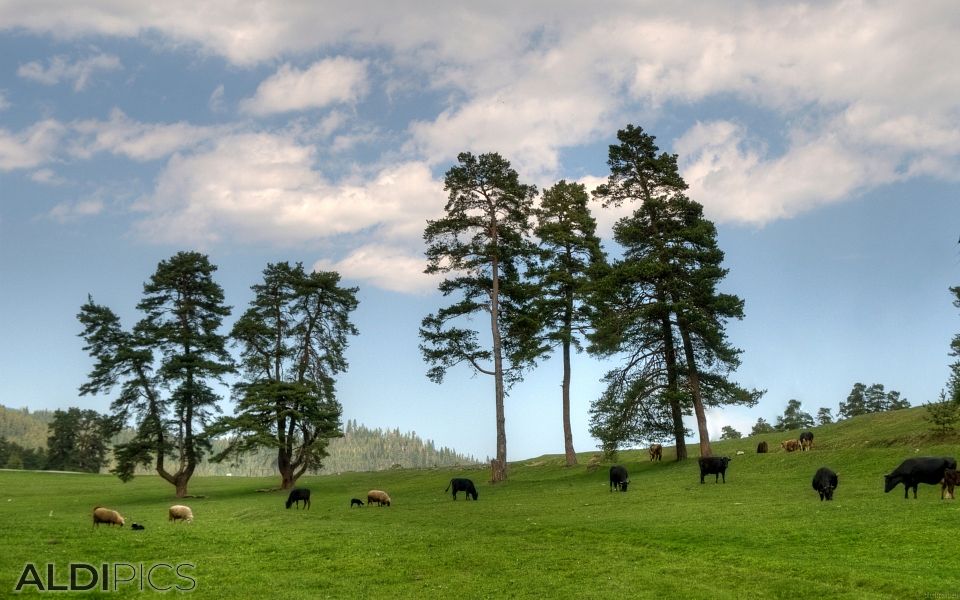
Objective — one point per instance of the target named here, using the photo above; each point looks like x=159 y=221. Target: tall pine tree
x=292 y=341
x=660 y=303
x=164 y=366
x=484 y=244
x=571 y=258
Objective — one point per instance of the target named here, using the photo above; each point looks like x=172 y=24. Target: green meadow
x=548 y=532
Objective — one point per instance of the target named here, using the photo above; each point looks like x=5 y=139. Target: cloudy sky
x=822 y=138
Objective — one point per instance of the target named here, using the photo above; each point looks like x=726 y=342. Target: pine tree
x=483 y=242
x=293 y=340
x=175 y=347
x=571 y=255
x=659 y=306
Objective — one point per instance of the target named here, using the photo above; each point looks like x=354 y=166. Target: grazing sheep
x=297 y=495
x=137 y=527
x=355 y=502
x=179 y=512
x=762 y=448
x=379 y=497
x=105 y=515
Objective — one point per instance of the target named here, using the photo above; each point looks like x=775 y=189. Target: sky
x=822 y=138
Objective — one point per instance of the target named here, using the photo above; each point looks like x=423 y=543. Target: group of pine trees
x=292 y=340
x=539 y=276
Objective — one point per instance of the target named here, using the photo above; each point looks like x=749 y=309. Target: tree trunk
x=567 y=431
x=673 y=385
x=181 y=481
x=500 y=473
x=287 y=479
x=694 y=377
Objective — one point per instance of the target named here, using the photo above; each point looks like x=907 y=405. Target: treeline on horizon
x=24 y=434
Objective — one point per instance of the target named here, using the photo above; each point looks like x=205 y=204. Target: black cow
x=137 y=527
x=762 y=448
x=914 y=471
x=355 y=502
x=298 y=495
x=806 y=441
x=618 y=478
x=714 y=465
x=462 y=485
x=825 y=481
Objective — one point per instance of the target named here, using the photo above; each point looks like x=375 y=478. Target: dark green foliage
x=864 y=400
x=953 y=384
x=943 y=415
x=79 y=440
x=571 y=260
x=794 y=418
x=484 y=244
x=163 y=366
x=15 y=456
x=729 y=433
x=659 y=307
x=292 y=341
x=761 y=427
x=824 y=416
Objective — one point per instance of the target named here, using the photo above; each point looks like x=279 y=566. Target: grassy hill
x=548 y=532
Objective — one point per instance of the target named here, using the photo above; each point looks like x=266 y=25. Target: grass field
x=549 y=532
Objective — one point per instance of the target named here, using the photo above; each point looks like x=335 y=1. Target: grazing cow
x=762 y=448
x=298 y=495
x=914 y=471
x=951 y=478
x=462 y=485
x=618 y=478
x=656 y=452
x=137 y=527
x=806 y=441
x=825 y=481
x=355 y=502
x=790 y=445
x=714 y=465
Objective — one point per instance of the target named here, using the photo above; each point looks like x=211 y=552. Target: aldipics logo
x=112 y=577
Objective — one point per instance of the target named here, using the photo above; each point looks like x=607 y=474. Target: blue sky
x=823 y=139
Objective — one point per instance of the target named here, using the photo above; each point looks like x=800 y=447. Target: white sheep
x=105 y=515
x=379 y=497
x=179 y=512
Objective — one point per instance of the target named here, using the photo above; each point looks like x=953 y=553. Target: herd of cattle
x=931 y=470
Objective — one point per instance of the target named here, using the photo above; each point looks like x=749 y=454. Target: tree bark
x=567 y=431
x=694 y=377
x=673 y=385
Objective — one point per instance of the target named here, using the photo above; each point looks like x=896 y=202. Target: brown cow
x=790 y=445
x=951 y=478
x=656 y=452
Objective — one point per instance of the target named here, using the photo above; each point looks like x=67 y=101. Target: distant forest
x=360 y=448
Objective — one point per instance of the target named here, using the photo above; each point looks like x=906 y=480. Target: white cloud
x=59 y=68
x=46 y=177
x=388 y=267
x=736 y=180
x=31 y=147
x=331 y=81
x=72 y=211
x=135 y=140
x=215 y=102
x=265 y=187
x=4 y=103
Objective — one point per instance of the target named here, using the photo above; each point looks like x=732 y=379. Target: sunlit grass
x=549 y=532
